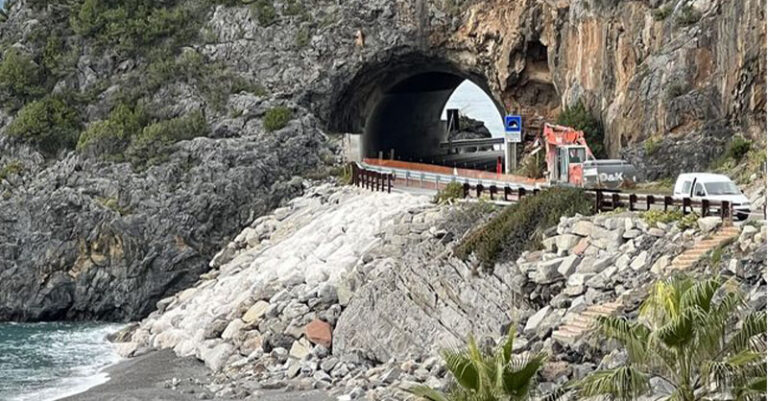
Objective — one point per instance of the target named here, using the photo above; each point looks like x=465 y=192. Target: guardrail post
x=535 y=191
x=437 y=182
x=615 y=201
x=479 y=190
x=507 y=193
x=466 y=189
x=520 y=193
x=725 y=210
x=632 y=201
x=686 y=205
x=421 y=180
x=667 y=202
x=704 y=207
x=390 y=178
x=407 y=176
x=649 y=200
x=598 y=201
x=493 y=190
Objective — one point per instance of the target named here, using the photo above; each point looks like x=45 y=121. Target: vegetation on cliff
x=577 y=116
x=152 y=40
x=519 y=226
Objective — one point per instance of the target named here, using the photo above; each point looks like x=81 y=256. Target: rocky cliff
x=108 y=203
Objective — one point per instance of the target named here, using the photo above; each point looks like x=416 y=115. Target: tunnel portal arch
x=397 y=105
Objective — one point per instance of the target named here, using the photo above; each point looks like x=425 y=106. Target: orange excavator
x=570 y=161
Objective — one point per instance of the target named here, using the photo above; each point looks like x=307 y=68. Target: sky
x=474 y=102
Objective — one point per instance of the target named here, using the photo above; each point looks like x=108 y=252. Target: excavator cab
x=569 y=164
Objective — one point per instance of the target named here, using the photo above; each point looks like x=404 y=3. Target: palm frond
x=463 y=370
x=516 y=382
x=678 y=331
x=632 y=336
x=753 y=325
x=509 y=343
x=428 y=393
x=700 y=294
x=624 y=383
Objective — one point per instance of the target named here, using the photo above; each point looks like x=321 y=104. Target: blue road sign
x=513 y=123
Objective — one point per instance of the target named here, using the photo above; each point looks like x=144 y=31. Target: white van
x=715 y=187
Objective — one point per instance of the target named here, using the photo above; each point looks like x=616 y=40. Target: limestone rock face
x=71 y=253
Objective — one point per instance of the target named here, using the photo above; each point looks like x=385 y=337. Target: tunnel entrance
x=398 y=107
x=393 y=104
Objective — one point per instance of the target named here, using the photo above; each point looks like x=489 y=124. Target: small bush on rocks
x=19 y=79
x=738 y=148
x=651 y=145
x=512 y=230
x=50 y=124
x=652 y=217
x=151 y=146
x=662 y=13
x=111 y=136
x=277 y=118
x=265 y=12
x=12 y=168
x=580 y=118
x=688 y=16
x=452 y=191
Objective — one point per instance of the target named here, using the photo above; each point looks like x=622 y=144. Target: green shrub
x=580 y=118
x=511 y=231
x=152 y=145
x=688 y=221
x=677 y=88
x=133 y=26
x=50 y=124
x=111 y=136
x=277 y=118
x=662 y=13
x=11 y=168
x=302 y=37
x=20 y=78
x=652 y=217
x=688 y=16
x=265 y=12
x=651 y=145
x=738 y=148
x=454 y=190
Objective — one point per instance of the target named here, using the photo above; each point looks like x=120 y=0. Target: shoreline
x=162 y=376
x=150 y=377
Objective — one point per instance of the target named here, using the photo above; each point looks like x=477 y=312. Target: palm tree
x=486 y=376
x=693 y=335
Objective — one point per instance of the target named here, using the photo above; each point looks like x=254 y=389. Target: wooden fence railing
x=604 y=199
x=372 y=180
x=612 y=200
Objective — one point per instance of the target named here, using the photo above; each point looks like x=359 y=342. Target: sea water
x=48 y=361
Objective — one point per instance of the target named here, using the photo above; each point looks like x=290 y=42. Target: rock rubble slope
x=355 y=292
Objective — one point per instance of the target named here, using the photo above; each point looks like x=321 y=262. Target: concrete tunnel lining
x=399 y=105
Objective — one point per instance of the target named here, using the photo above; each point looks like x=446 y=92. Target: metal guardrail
x=438 y=179
x=470 y=143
